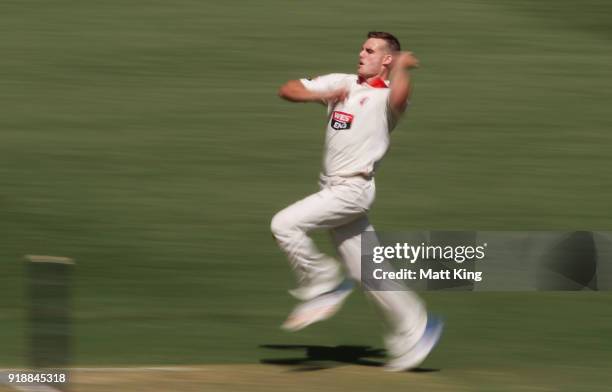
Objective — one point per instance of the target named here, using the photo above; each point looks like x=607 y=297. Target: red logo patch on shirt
x=341 y=120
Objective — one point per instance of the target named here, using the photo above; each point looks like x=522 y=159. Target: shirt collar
x=376 y=82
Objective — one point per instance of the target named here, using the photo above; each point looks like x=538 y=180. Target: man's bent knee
x=280 y=224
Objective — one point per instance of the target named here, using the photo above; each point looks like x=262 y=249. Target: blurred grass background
x=145 y=140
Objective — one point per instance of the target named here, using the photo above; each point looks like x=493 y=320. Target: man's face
x=373 y=58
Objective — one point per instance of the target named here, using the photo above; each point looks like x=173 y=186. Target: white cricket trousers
x=341 y=206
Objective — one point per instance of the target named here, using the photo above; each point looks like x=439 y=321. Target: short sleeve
x=325 y=83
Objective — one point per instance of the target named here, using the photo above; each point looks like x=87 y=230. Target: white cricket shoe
x=318 y=309
x=415 y=355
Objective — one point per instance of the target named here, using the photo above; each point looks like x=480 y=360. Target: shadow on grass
x=326 y=357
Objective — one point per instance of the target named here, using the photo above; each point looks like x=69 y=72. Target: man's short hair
x=392 y=42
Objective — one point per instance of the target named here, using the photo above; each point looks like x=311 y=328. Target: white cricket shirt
x=357 y=135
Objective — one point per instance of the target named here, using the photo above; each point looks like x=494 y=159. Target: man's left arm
x=400 y=81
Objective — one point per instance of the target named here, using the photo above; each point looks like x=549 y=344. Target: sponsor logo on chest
x=341 y=120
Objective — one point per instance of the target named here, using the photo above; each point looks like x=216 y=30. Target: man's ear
x=388 y=60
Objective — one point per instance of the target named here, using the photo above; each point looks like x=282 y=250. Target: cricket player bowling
x=362 y=110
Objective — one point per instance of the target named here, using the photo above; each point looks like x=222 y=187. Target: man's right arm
x=295 y=91
x=400 y=81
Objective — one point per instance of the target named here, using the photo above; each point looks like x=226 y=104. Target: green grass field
x=145 y=140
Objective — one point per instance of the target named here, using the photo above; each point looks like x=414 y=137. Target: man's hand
x=405 y=60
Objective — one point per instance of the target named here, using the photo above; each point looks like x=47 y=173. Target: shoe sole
x=318 y=309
